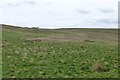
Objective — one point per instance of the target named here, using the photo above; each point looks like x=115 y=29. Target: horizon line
x=65 y=27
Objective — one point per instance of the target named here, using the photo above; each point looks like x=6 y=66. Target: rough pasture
x=60 y=53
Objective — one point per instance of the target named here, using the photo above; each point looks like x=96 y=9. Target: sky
x=60 y=13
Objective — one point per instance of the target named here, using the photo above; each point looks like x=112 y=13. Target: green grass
x=55 y=59
x=0 y=51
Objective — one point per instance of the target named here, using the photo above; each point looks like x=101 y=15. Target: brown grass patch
x=98 y=67
x=38 y=39
x=50 y=38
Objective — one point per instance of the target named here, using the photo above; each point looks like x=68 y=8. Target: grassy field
x=59 y=53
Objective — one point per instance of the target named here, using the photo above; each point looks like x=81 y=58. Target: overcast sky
x=60 y=13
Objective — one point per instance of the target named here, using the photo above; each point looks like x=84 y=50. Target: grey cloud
x=106 y=10
x=107 y=21
x=13 y=5
x=29 y=2
x=82 y=11
x=22 y=3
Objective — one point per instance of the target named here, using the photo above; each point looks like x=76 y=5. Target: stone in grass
x=98 y=67
x=42 y=73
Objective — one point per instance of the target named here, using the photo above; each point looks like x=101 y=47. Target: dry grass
x=37 y=39
x=98 y=67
